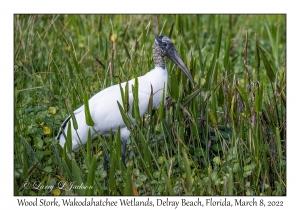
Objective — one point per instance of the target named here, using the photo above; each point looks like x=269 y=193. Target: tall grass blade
x=190 y=97
x=118 y=148
x=212 y=66
x=25 y=165
x=31 y=154
x=73 y=104
x=69 y=138
x=162 y=104
x=126 y=51
x=171 y=29
x=227 y=54
x=105 y=50
x=100 y=63
x=127 y=185
x=209 y=184
x=169 y=184
x=187 y=169
x=88 y=117
x=135 y=107
x=78 y=69
x=278 y=147
x=230 y=183
x=91 y=177
x=201 y=64
x=125 y=97
x=218 y=43
x=77 y=177
x=274 y=40
x=267 y=65
x=256 y=55
x=74 y=121
x=221 y=96
x=259 y=97
x=174 y=86
x=210 y=72
x=67 y=167
x=150 y=103
x=58 y=159
x=70 y=69
x=89 y=147
x=245 y=98
x=133 y=187
x=124 y=115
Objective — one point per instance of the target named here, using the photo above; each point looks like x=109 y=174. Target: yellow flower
x=113 y=37
x=52 y=110
x=56 y=192
x=46 y=130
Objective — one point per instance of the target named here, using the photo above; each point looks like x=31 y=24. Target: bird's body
x=105 y=111
x=103 y=106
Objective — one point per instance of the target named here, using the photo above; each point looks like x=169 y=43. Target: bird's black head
x=162 y=47
x=164 y=44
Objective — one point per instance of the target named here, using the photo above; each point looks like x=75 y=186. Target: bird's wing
x=104 y=108
x=62 y=127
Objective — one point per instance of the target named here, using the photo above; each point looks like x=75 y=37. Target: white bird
x=103 y=106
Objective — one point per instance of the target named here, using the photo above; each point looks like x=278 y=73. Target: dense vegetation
x=225 y=136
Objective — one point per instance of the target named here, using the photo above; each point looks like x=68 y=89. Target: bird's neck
x=158 y=59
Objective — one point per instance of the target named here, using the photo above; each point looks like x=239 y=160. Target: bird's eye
x=165 y=44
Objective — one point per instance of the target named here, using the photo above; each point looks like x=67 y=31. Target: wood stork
x=103 y=106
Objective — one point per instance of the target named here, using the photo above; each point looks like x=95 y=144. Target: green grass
x=225 y=136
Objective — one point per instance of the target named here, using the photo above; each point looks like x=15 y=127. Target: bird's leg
x=106 y=157
x=105 y=163
x=124 y=142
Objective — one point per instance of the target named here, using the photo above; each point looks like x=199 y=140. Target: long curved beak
x=173 y=55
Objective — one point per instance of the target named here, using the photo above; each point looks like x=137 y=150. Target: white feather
x=105 y=111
